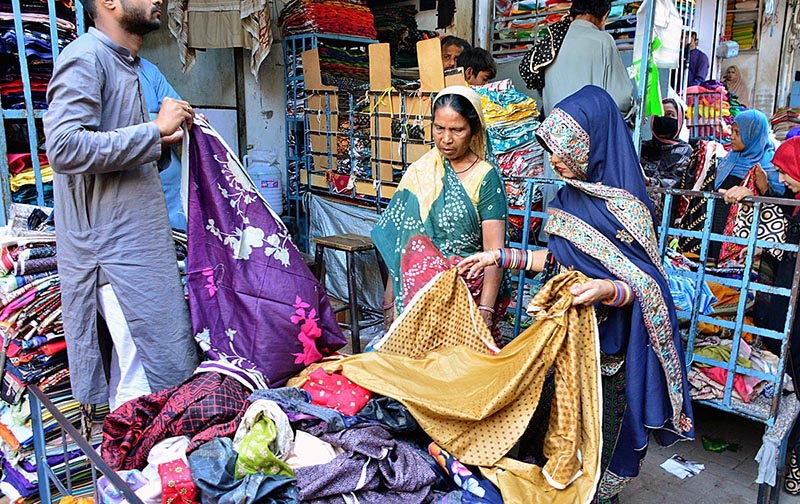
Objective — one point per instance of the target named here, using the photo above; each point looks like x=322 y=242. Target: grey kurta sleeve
x=616 y=80
x=74 y=144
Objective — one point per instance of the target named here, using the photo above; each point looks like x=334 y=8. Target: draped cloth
x=601 y=224
x=490 y=398
x=257 y=311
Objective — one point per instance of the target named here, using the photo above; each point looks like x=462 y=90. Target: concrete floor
x=727 y=478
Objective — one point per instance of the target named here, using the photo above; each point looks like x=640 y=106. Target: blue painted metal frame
x=666 y=231
x=297 y=125
x=28 y=114
x=45 y=474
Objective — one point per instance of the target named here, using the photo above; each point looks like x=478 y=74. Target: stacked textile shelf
x=31 y=326
x=741 y=23
x=785 y=119
x=512 y=119
x=344 y=17
x=518 y=23
x=36 y=36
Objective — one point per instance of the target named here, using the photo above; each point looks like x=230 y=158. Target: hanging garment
x=490 y=399
x=257 y=310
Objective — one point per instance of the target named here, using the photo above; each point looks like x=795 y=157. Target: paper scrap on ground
x=681 y=467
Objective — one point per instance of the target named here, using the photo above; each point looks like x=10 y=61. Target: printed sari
x=434 y=219
x=601 y=224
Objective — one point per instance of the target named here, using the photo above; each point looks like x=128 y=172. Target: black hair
x=596 y=8
x=452 y=40
x=90 y=8
x=461 y=105
x=478 y=60
x=694 y=34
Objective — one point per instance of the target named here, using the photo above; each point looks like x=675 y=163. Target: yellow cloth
x=27 y=177
x=477 y=405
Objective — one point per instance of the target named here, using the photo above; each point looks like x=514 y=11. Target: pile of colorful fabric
x=30 y=319
x=397 y=25
x=23 y=180
x=783 y=120
x=511 y=120
x=345 y=68
x=327 y=436
x=741 y=20
x=709 y=111
x=343 y=17
x=38 y=50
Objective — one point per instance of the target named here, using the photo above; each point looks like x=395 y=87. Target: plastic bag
x=667 y=27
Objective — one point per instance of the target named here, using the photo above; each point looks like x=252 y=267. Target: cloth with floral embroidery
x=263 y=447
x=465 y=479
x=177 y=485
x=336 y=392
x=255 y=454
x=258 y=312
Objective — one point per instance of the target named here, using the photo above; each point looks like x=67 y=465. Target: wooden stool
x=350 y=244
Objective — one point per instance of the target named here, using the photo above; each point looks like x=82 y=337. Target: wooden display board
x=322 y=110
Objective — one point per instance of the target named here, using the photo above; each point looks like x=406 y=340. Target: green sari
x=432 y=207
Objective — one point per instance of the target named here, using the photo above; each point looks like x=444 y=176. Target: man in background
x=696 y=60
x=479 y=66
x=588 y=55
x=452 y=47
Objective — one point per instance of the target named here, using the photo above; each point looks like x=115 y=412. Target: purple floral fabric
x=257 y=311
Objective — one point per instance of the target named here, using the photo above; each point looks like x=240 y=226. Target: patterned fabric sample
x=245 y=274
x=205 y=406
x=336 y=392
x=478 y=421
x=255 y=454
x=177 y=486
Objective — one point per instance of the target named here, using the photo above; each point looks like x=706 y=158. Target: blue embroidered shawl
x=601 y=224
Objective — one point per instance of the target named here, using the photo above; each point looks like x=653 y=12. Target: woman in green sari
x=449 y=204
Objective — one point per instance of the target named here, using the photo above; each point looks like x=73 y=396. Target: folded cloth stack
x=512 y=119
x=343 y=17
x=23 y=180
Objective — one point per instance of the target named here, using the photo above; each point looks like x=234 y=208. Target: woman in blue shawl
x=601 y=223
x=751 y=148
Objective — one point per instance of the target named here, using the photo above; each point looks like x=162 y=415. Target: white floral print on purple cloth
x=258 y=312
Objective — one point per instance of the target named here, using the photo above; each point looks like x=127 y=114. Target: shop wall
x=759 y=68
x=209 y=84
x=264 y=104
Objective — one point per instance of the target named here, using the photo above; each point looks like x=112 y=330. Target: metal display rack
x=297 y=120
x=504 y=42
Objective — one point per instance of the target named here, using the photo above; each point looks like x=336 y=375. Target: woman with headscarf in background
x=735 y=84
x=665 y=156
x=748 y=163
x=601 y=224
x=449 y=204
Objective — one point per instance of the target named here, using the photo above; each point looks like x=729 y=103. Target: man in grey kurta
x=111 y=218
x=588 y=55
